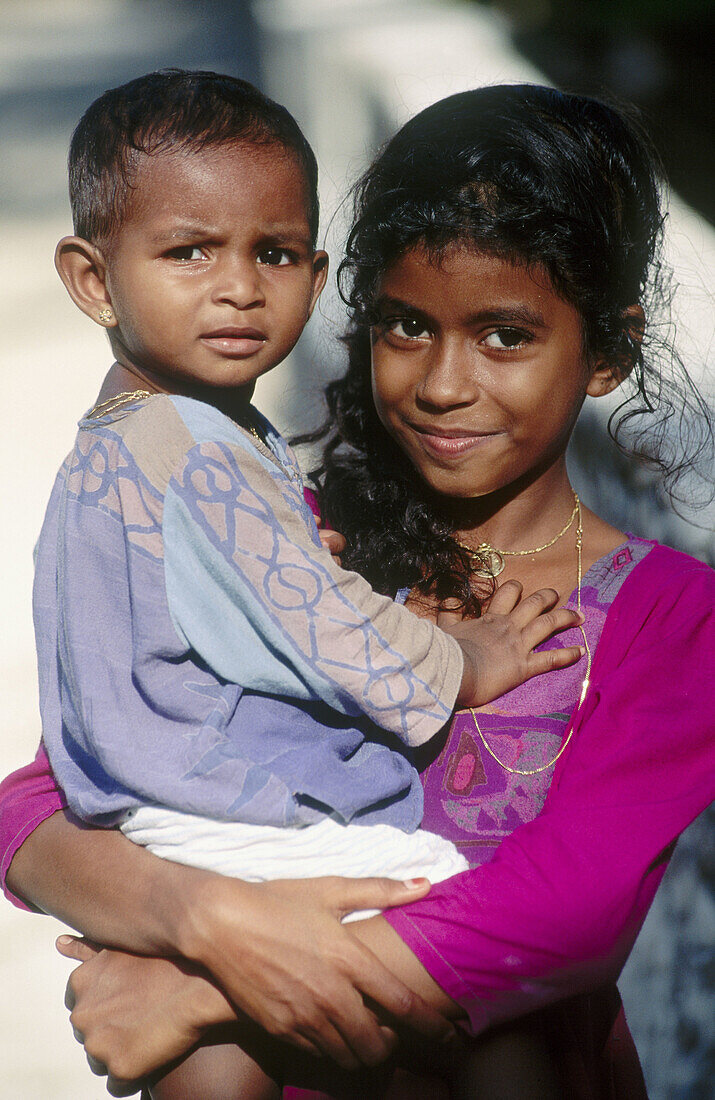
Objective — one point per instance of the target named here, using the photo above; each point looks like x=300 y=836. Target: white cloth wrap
x=261 y=853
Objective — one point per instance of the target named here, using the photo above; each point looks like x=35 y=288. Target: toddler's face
x=212 y=276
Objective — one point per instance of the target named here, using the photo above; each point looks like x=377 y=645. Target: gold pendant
x=488 y=561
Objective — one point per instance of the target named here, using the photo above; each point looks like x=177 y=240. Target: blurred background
x=351 y=71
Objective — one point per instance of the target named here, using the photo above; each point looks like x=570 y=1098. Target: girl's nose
x=238 y=283
x=449 y=380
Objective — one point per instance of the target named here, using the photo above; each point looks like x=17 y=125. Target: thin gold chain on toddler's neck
x=118 y=402
x=130 y=396
x=112 y=404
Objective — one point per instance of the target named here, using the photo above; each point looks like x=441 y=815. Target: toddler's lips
x=234 y=341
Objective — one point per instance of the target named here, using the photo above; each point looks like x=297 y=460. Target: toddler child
x=211 y=680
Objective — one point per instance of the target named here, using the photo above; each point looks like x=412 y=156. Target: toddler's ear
x=609 y=373
x=81 y=267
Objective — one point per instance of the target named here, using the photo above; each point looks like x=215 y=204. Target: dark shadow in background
x=655 y=54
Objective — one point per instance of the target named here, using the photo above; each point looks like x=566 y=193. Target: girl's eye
x=408 y=328
x=187 y=252
x=505 y=338
x=275 y=257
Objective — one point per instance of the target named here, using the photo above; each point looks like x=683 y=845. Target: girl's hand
x=134 y=1014
x=280 y=954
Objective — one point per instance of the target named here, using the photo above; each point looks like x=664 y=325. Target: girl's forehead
x=464 y=272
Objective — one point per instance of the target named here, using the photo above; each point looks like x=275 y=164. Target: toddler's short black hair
x=173 y=108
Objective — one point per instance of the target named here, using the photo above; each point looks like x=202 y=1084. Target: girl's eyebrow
x=517 y=314
x=385 y=303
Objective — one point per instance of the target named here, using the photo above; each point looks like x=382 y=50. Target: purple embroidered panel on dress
x=470 y=798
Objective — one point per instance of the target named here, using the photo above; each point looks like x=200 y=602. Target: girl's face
x=478 y=371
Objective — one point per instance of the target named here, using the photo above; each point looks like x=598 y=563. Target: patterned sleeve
x=557 y=910
x=252 y=590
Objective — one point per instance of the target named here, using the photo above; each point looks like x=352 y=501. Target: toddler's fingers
x=450 y=613
x=506 y=597
x=551 y=622
x=532 y=606
x=547 y=660
x=332 y=541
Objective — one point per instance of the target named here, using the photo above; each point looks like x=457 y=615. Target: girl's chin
x=456 y=490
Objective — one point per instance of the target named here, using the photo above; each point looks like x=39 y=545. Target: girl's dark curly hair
x=537 y=177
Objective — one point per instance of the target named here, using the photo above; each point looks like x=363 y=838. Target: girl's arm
x=135 y=1014
x=277 y=949
x=557 y=910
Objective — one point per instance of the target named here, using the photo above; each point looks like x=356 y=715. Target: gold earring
x=105 y=316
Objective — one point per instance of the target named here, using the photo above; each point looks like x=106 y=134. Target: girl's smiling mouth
x=447 y=442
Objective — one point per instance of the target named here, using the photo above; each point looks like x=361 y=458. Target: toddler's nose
x=238 y=283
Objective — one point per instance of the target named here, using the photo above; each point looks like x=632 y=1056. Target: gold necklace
x=129 y=396
x=587 y=678
x=490 y=561
x=118 y=401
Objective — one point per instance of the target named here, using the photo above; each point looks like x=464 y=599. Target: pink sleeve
x=312 y=501
x=558 y=909
x=27 y=797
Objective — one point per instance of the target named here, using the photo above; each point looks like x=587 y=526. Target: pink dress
x=566 y=863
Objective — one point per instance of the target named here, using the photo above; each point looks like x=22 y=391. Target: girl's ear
x=82 y=268
x=608 y=374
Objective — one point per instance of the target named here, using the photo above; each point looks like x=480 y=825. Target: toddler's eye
x=187 y=252
x=408 y=328
x=274 y=257
x=503 y=338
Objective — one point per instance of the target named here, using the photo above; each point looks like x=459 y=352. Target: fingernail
x=415 y=883
x=582 y=650
x=64 y=940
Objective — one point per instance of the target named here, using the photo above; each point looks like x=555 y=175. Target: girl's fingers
x=368 y=1047
x=552 y=622
x=115 y=1087
x=337 y=1047
x=348 y=895
x=506 y=598
x=402 y=1005
x=97 y=1067
x=367 y=1038
x=75 y=947
x=547 y=660
x=357 y=1043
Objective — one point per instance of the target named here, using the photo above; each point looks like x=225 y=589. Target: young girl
x=501 y=269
